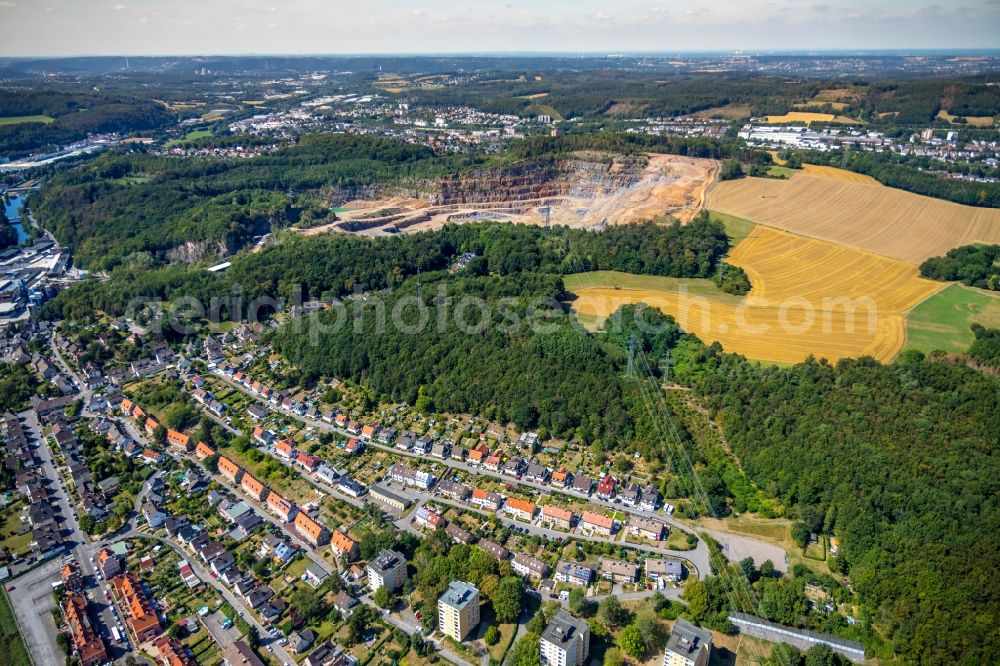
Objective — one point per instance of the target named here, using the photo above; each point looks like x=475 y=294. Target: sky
x=203 y=27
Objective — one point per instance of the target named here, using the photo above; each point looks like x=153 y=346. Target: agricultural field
x=809 y=297
x=807 y=118
x=17 y=120
x=834 y=173
x=878 y=219
x=942 y=321
x=975 y=121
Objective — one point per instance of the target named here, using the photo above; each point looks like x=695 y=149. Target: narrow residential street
x=698 y=557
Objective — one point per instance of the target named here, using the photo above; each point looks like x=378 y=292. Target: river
x=13 y=209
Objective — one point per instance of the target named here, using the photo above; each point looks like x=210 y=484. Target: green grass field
x=736 y=227
x=13 y=651
x=942 y=321
x=17 y=120
x=193 y=135
x=779 y=171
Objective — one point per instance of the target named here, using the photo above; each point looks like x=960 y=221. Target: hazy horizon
x=66 y=28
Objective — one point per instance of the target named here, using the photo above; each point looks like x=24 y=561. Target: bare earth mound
x=809 y=297
x=879 y=219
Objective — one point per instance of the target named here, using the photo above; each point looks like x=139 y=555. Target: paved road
x=76 y=540
x=698 y=557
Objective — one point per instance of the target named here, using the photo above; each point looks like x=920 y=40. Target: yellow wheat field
x=809 y=297
x=879 y=219
x=838 y=174
x=808 y=117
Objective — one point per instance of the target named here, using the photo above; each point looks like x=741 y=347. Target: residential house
x=669 y=570
x=620 y=571
x=583 y=483
x=427 y=517
x=487 y=500
x=536 y=473
x=203 y=450
x=369 y=431
x=350 y=487
x=519 y=508
x=285 y=449
x=573 y=573
x=312 y=531
x=561 y=478
x=596 y=523
x=647 y=528
x=253 y=487
x=606 y=488
x=453 y=490
x=281 y=507
x=494 y=549
x=343 y=546
x=345 y=603
x=307 y=462
x=459 y=535
x=411 y=477
x=557 y=517
x=530 y=566
x=153 y=515
x=229 y=469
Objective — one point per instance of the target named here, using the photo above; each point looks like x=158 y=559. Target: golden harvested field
x=806 y=117
x=809 y=297
x=879 y=219
x=975 y=121
x=837 y=174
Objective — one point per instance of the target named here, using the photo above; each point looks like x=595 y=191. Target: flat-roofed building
x=458 y=610
x=565 y=641
x=688 y=645
x=387 y=570
x=382 y=494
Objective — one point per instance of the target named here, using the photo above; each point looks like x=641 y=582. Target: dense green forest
x=985 y=348
x=885 y=168
x=8 y=237
x=337 y=265
x=974 y=265
x=901 y=461
x=75 y=116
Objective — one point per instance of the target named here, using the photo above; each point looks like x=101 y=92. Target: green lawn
x=736 y=227
x=193 y=135
x=779 y=171
x=17 y=120
x=13 y=651
x=942 y=321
